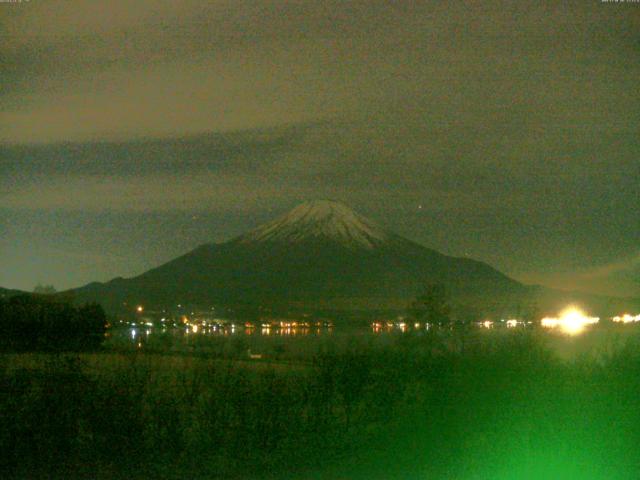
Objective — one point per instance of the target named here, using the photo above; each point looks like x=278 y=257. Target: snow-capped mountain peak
x=321 y=219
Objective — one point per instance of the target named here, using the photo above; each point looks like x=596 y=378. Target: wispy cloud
x=629 y=265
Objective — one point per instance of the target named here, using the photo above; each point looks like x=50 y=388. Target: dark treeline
x=45 y=323
x=423 y=406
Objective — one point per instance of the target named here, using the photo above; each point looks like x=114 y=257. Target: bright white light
x=572 y=321
x=550 y=322
x=511 y=323
x=626 y=318
x=140 y=309
x=194 y=328
x=487 y=324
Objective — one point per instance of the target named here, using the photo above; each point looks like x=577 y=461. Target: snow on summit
x=320 y=219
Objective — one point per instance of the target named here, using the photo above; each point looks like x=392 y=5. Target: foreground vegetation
x=47 y=323
x=429 y=405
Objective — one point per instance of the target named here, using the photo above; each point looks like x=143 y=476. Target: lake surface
x=302 y=342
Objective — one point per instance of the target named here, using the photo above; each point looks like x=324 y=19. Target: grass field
x=478 y=405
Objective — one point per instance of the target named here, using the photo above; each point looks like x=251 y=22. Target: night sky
x=132 y=132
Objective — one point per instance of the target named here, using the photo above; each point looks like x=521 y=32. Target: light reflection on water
x=138 y=334
x=139 y=337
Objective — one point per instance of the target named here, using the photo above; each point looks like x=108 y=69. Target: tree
x=44 y=323
x=91 y=325
x=432 y=306
x=44 y=289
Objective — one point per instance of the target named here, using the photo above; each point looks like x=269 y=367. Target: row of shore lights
x=626 y=318
x=571 y=321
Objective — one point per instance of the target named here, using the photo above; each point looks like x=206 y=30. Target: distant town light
x=626 y=318
x=139 y=309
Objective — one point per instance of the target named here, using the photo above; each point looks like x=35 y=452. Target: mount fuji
x=319 y=256
x=323 y=219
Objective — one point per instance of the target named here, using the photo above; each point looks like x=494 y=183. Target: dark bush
x=43 y=323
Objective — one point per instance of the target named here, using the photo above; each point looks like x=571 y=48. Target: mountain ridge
x=320 y=255
x=7 y=292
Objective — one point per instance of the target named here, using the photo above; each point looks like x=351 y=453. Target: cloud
x=618 y=278
x=141 y=194
x=174 y=68
x=628 y=268
x=512 y=127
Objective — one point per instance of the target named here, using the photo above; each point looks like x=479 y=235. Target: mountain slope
x=319 y=255
x=6 y=293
